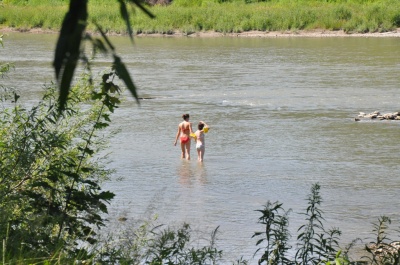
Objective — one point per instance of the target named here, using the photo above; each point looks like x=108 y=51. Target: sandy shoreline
x=285 y=34
x=247 y=34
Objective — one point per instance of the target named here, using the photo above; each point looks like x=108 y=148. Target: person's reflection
x=188 y=173
x=201 y=173
x=185 y=173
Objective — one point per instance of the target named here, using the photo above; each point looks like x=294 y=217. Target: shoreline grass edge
x=318 y=33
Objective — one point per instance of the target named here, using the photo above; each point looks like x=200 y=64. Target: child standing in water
x=200 y=140
x=184 y=131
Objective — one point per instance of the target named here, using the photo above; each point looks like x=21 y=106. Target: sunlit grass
x=28 y=17
x=208 y=15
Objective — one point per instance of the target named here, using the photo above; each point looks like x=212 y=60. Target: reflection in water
x=188 y=173
x=201 y=173
x=185 y=173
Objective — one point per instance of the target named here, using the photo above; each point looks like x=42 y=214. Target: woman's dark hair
x=185 y=116
x=200 y=126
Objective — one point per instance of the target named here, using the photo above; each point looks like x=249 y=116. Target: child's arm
x=177 y=134
x=206 y=127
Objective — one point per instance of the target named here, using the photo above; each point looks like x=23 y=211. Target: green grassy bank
x=214 y=15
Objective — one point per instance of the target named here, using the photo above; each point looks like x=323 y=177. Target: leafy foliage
x=51 y=198
x=154 y=244
x=315 y=244
x=170 y=247
x=69 y=45
x=383 y=250
x=276 y=234
x=4 y=67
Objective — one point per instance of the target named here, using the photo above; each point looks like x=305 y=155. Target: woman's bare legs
x=185 y=150
x=188 y=150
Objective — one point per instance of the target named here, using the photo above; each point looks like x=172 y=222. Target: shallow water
x=281 y=113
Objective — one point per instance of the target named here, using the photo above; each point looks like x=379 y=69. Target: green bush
x=396 y=20
x=315 y=244
x=50 y=184
x=342 y=13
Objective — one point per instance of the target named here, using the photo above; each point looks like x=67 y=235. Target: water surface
x=281 y=113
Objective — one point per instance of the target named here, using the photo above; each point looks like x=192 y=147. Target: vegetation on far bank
x=226 y=16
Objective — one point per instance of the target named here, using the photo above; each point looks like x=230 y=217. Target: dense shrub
x=50 y=183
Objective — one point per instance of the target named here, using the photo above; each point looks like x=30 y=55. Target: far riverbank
x=246 y=34
x=213 y=18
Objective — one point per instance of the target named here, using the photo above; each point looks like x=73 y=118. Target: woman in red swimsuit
x=184 y=131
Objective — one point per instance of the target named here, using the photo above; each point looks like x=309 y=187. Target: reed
x=215 y=15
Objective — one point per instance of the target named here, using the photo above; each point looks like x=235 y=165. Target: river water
x=281 y=113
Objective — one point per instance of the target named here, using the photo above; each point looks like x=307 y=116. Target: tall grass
x=215 y=15
x=135 y=241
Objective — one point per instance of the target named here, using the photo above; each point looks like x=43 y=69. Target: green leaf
x=123 y=73
x=68 y=47
x=99 y=45
x=42 y=184
x=89 y=151
x=105 y=77
x=114 y=100
x=100 y=125
x=114 y=88
x=104 y=36
x=125 y=16
x=91 y=240
x=106 y=117
x=259 y=241
x=86 y=169
x=106 y=195
x=91 y=183
x=103 y=207
x=96 y=96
